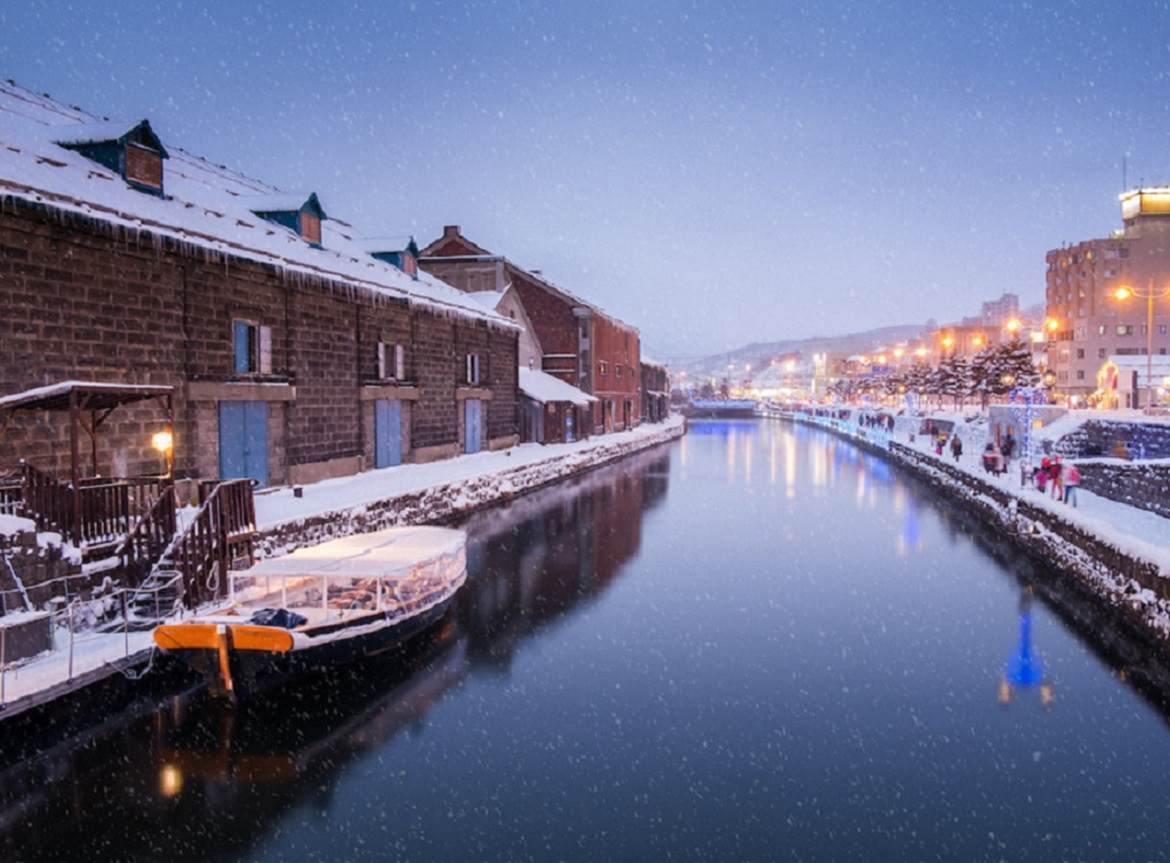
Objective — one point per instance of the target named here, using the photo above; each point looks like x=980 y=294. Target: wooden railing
x=220 y=536
x=12 y=493
x=149 y=539
x=102 y=511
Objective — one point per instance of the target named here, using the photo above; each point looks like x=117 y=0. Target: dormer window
x=132 y=151
x=295 y=212
x=401 y=252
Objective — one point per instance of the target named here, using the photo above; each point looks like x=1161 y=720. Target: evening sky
x=713 y=172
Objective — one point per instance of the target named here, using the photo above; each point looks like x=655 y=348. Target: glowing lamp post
x=1149 y=295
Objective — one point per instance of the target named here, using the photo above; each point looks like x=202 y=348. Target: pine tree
x=981 y=375
x=1017 y=362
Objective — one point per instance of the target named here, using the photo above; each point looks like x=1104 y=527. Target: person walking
x=956 y=447
x=1056 y=474
x=1042 y=474
x=992 y=458
x=1008 y=447
x=1072 y=479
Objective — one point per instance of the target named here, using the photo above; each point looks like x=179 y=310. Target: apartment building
x=1087 y=322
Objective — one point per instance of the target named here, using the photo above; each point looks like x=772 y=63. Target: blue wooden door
x=243 y=441
x=387 y=432
x=472 y=425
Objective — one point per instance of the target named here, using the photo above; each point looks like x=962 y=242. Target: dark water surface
x=757 y=643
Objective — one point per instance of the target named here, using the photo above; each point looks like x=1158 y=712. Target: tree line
x=995 y=370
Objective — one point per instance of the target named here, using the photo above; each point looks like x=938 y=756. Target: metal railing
x=78 y=627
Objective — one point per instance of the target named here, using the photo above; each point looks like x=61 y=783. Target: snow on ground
x=1132 y=530
x=334 y=495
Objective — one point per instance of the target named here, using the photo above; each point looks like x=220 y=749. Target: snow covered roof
x=206 y=207
x=479 y=253
x=544 y=388
x=281 y=203
x=487 y=299
x=99 y=396
x=374 y=245
x=389 y=552
x=80 y=134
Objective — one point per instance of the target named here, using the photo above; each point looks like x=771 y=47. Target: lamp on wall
x=164 y=442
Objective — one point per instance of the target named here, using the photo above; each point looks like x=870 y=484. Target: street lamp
x=1149 y=295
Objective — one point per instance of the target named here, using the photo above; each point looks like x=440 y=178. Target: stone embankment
x=1116 y=594
x=445 y=503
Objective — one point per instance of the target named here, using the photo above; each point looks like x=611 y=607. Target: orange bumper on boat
x=210 y=636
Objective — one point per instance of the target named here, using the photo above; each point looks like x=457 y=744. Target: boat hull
x=240 y=659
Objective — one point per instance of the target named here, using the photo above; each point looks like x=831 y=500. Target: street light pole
x=1150 y=346
x=1149 y=295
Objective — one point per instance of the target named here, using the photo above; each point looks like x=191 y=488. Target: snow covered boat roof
x=393 y=551
x=544 y=388
x=206 y=206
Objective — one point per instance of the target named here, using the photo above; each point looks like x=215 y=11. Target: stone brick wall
x=434 y=414
x=1145 y=486
x=85 y=300
x=1101 y=437
x=325 y=422
x=43 y=569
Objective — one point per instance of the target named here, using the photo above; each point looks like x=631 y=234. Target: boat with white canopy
x=334 y=602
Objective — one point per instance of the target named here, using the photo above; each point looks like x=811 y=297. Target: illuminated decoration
x=1023 y=401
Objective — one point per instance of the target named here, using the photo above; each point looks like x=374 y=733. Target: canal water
x=756 y=643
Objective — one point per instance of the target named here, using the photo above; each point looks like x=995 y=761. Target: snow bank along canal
x=758 y=642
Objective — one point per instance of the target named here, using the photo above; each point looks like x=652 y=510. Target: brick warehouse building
x=295 y=352
x=582 y=345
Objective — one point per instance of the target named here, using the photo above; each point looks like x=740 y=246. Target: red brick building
x=295 y=353
x=581 y=344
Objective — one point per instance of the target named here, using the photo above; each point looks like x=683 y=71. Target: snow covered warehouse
x=294 y=353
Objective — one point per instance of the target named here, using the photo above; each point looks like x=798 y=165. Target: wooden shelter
x=93 y=509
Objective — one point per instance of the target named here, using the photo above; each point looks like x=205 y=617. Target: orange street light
x=1149 y=295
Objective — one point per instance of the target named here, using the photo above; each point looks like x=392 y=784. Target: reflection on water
x=193 y=777
x=756 y=643
x=1024 y=670
x=540 y=557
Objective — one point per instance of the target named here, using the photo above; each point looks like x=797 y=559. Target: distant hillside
x=760 y=354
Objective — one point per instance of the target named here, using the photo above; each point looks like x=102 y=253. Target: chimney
x=450 y=231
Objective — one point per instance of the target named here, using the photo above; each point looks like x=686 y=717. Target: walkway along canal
x=758 y=642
